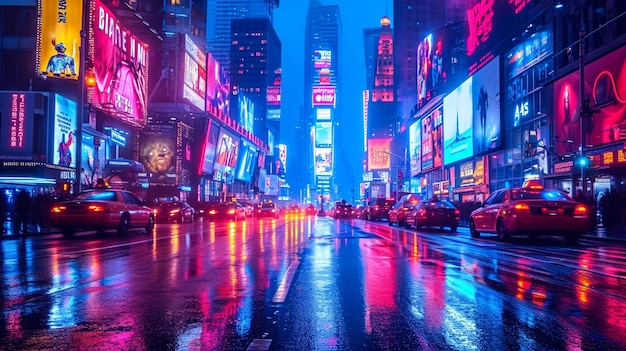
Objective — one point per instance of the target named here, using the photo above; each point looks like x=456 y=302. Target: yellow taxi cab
x=530 y=210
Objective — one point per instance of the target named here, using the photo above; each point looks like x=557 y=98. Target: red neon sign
x=17 y=118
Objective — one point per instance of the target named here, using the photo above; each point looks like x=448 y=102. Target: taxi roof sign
x=534 y=184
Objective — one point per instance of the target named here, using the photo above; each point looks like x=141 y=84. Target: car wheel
x=503 y=235
x=150 y=226
x=473 y=231
x=124 y=226
x=68 y=232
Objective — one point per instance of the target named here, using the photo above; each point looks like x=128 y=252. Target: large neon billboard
x=194 y=76
x=324 y=96
x=415 y=149
x=59 y=38
x=121 y=68
x=457 y=124
x=217 y=89
x=378 y=154
x=16 y=124
x=486 y=108
x=323 y=161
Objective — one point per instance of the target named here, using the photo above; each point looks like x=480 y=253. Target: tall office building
x=381 y=111
x=321 y=77
x=370 y=45
x=219 y=16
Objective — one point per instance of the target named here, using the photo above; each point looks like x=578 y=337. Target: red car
x=434 y=213
x=530 y=210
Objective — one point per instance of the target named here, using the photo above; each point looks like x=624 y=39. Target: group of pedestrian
x=610 y=209
x=25 y=209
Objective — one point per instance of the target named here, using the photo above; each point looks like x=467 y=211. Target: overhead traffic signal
x=582 y=161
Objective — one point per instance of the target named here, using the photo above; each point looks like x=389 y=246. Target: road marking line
x=260 y=345
x=283 y=287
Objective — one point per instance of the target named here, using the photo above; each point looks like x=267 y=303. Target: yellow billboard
x=59 y=38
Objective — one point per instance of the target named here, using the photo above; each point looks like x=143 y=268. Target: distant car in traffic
x=310 y=210
x=102 y=209
x=343 y=211
x=530 y=210
x=266 y=210
x=174 y=211
x=226 y=211
x=398 y=213
x=434 y=213
x=379 y=209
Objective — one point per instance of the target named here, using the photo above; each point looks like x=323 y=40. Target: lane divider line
x=259 y=345
x=283 y=287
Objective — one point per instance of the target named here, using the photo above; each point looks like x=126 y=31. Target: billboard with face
x=486 y=108
x=16 y=125
x=158 y=156
x=121 y=68
x=64 y=131
x=323 y=161
x=378 y=154
x=194 y=76
x=415 y=148
x=59 y=38
x=218 y=88
x=457 y=124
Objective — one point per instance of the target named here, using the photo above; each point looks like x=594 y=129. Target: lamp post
x=583 y=105
x=80 y=115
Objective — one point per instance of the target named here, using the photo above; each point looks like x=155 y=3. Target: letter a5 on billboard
x=323 y=96
x=59 y=38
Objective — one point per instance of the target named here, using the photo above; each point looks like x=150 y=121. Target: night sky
x=356 y=15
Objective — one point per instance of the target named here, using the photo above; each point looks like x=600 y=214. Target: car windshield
x=169 y=204
x=527 y=194
x=267 y=206
x=438 y=204
x=97 y=195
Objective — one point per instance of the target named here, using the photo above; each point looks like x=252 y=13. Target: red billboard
x=120 y=65
x=378 y=154
x=324 y=96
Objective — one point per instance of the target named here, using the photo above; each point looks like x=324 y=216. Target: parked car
x=174 y=211
x=226 y=211
x=433 y=213
x=102 y=209
x=379 y=209
x=398 y=213
x=265 y=210
x=310 y=210
x=530 y=210
x=345 y=211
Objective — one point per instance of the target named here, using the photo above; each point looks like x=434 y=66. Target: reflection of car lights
x=231 y=211
x=174 y=211
x=212 y=212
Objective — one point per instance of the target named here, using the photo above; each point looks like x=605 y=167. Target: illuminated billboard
x=246 y=112
x=282 y=156
x=120 y=65
x=208 y=151
x=526 y=54
x=247 y=161
x=457 y=124
x=17 y=111
x=322 y=59
x=415 y=147
x=486 y=107
x=158 y=156
x=323 y=134
x=378 y=154
x=226 y=156
x=324 y=96
x=323 y=114
x=59 y=38
x=427 y=140
x=64 y=132
x=273 y=114
x=194 y=81
x=437 y=117
x=273 y=95
x=323 y=161
x=217 y=88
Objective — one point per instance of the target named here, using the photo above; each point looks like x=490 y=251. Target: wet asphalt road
x=309 y=284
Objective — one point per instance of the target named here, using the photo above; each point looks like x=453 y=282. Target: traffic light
x=90 y=79
x=582 y=161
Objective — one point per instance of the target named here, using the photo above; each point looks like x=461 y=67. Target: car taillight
x=457 y=212
x=58 y=209
x=580 y=210
x=98 y=208
x=273 y=211
x=376 y=208
x=212 y=212
x=521 y=207
x=231 y=211
x=423 y=213
x=174 y=211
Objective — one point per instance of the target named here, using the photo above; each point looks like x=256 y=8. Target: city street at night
x=309 y=283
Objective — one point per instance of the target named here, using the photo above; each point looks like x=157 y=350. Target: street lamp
x=81 y=95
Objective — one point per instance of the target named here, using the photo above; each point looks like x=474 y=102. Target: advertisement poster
x=158 y=156
x=217 y=89
x=567 y=114
x=322 y=59
x=247 y=161
x=437 y=117
x=59 y=38
x=486 y=108
x=194 y=87
x=324 y=96
x=457 y=124
x=226 y=156
x=378 y=154
x=415 y=147
x=528 y=53
x=246 y=112
x=16 y=125
x=282 y=156
x=427 y=141
x=323 y=161
x=210 y=144
x=323 y=134
x=64 y=131
x=121 y=68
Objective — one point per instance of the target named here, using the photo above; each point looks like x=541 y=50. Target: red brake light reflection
x=580 y=210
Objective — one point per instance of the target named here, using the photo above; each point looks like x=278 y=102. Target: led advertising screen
x=323 y=134
x=567 y=114
x=227 y=153
x=457 y=124
x=415 y=149
x=208 y=151
x=437 y=117
x=59 y=38
x=247 y=161
x=486 y=107
x=121 y=69
x=526 y=54
x=323 y=114
x=378 y=154
x=323 y=161
x=322 y=59
x=16 y=124
x=427 y=141
x=273 y=95
x=282 y=155
x=194 y=81
x=273 y=114
x=324 y=96
x=158 y=156
x=246 y=112
x=217 y=88
x=423 y=66
x=64 y=132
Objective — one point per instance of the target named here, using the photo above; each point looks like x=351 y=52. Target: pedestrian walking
x=22 y=208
